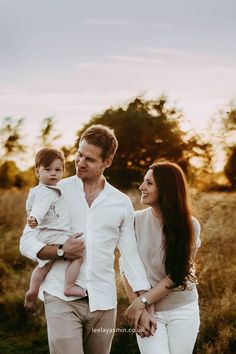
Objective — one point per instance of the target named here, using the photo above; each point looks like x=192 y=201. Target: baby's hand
x=32 y=222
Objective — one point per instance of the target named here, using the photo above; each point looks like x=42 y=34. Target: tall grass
x=23 y=332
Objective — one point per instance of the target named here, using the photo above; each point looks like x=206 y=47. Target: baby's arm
x=43 y=199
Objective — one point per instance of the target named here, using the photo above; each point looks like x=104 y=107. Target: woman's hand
x=134 y=312
x=147 y=324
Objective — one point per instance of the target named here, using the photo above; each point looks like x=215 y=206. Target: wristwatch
x=60 y=251
x=144 y=300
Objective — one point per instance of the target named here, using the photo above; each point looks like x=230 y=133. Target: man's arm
x=73 y=248
x=31 y=248
x=131 y=262
x=29 y=244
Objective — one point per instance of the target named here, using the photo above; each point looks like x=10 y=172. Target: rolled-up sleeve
x=29 y=244
x=130 y=263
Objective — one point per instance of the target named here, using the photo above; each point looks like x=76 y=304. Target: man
x=105 y=216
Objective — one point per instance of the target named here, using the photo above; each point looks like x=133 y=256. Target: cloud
x=93 y=98
x=136 y=60
x=163 y=25
x=87 y=65
x=219 y=70
x=122 y=22
x=110 y=22
x=166 y=51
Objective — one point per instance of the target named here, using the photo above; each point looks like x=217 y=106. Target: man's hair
x=103 y=137
x=46 y=156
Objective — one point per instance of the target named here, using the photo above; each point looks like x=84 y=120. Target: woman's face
x=149 y=191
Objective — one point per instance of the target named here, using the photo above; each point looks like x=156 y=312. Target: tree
x=9 y=174
x=11 y=138
x=48 y=134
x=12 y=176
x=230 y=168
x=146 y=130
x=228 y=118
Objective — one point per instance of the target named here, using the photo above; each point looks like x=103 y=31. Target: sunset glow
x=87 y=59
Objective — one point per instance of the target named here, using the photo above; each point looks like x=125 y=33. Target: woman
x=167 y=239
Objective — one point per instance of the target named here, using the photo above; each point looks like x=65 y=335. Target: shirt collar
x=103 y=194
x=51 y=187
x=79 y=182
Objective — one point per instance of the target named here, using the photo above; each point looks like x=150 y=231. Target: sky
x=72 y=59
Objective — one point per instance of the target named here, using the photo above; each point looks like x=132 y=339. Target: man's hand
x=32 y=222
x=134 y=312
x=74 y=246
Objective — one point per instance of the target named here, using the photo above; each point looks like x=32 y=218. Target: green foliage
x=146 y=130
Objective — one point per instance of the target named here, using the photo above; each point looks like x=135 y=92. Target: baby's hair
x=46 y=156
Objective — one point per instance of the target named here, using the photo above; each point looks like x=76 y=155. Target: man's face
x=89 y=163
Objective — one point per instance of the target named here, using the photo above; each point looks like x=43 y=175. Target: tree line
x=146 y=130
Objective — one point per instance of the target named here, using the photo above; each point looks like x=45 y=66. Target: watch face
x=60 y=252
x=144 y=300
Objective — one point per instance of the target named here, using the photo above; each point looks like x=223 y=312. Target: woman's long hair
x=174 y=205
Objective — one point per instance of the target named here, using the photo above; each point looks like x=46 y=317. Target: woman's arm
x=147 y=323
x=153 y=295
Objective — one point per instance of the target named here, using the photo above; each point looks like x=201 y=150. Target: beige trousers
x=73 y=329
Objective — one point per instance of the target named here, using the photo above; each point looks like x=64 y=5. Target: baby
x=47 y=211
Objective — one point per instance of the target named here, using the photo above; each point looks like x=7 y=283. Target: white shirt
x=47 y=205
x=107 y=223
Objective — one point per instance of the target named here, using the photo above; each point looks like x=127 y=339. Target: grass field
x=25 y=333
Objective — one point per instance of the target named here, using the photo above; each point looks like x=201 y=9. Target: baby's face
x=51 y=174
